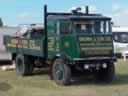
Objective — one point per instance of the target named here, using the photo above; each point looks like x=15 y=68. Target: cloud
x=120 y=15
x=126 y=11
x=92 y=9
x=116 y=7
x=24 y=15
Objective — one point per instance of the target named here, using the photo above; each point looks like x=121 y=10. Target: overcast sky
x=14 y=12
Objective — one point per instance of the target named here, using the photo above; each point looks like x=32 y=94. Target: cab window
x=65 y=27
x=84 y=27
x=120 y=37
x=93 y=27
x=51 y=26
x=103 y=27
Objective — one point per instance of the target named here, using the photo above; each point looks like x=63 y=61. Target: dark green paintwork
x=96 y=45
x=32 y=47
x=69 y=45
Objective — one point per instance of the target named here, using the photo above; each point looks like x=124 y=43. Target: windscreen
x=121 y=37
x=92 y=27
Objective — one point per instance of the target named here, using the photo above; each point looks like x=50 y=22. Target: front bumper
x=94 y=60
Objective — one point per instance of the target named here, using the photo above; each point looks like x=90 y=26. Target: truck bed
x=26 y=46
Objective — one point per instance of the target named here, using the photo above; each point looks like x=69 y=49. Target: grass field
x=40 y=85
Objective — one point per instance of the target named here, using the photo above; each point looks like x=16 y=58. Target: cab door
x=68 y=40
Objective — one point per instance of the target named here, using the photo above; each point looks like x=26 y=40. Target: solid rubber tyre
x=61 y=72
x=24 y=65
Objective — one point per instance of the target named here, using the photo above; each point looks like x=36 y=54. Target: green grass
x=40 y=85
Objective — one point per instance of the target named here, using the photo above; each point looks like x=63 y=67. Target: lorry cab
x=79 y=41
x=79 y=36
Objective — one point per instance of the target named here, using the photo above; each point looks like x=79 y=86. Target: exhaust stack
x=86 y=9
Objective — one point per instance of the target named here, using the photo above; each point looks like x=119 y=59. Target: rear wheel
x=61 y=72
x=24 y=65
x=106 y=74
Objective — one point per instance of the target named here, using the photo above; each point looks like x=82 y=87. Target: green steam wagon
x=69 y=43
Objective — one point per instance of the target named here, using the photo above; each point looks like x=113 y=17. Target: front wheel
x=61 y=72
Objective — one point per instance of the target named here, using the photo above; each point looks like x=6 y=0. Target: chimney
x=87 y=9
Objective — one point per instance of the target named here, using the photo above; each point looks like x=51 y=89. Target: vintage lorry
x=69 y=43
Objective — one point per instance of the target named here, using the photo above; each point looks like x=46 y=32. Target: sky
x=15 y=12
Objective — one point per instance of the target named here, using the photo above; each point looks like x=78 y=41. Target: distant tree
x=1 y=22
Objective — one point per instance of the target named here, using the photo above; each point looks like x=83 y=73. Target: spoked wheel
x=61 y=72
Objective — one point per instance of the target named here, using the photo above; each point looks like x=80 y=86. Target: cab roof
x=69 y=16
